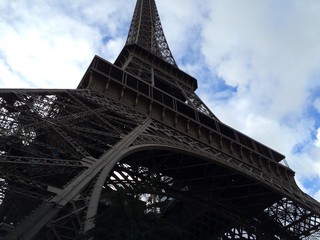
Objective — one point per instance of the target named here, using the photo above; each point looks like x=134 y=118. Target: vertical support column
x=110 y=158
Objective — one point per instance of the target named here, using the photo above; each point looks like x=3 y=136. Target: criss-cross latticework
x=147 y=31
x=138 y=126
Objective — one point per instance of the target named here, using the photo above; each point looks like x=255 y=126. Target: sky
x=257 y=62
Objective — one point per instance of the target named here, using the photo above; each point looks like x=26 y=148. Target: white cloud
x=316 y=104
x=49 y=45
x=112 y=48
x=317 y=141
x=270 y=51
x=182 y=22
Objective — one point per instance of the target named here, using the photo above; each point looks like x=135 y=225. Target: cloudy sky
x=257 y=61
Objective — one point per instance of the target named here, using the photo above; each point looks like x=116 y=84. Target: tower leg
x=32 y=225
x=112 y=157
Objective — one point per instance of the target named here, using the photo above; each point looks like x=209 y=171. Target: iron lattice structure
x=139 y=123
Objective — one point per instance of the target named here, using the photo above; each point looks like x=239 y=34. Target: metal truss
x=177 y=185
x=139 y=66
x=138 y=126
x=188 y=94
x=48 y=139
x=293 y=217
x=56 y=140
x=79 y=146
x=286 y=217
x=146 y=31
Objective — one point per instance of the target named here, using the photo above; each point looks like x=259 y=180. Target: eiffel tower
x=133 y=123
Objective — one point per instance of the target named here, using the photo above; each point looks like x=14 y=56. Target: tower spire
x=146 y=31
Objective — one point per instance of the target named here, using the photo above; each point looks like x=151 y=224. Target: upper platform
x=104 y=76
x=135 y=50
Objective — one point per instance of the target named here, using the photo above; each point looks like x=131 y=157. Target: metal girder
x=149 y=36
x=293 y=217
x=132 y=179
x=159 y=135
x=139 y=126
x=163 y=135
x=20 y=191
x=30 y=227
x=191 y=97
x=34 y=153
x=9 y=176
x=9 y=159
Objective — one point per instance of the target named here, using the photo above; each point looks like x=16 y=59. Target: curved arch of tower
x=136 y=126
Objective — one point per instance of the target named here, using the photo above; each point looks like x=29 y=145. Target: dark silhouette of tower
x=138 y=122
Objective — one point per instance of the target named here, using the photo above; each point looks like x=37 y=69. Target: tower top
x=146 y=31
